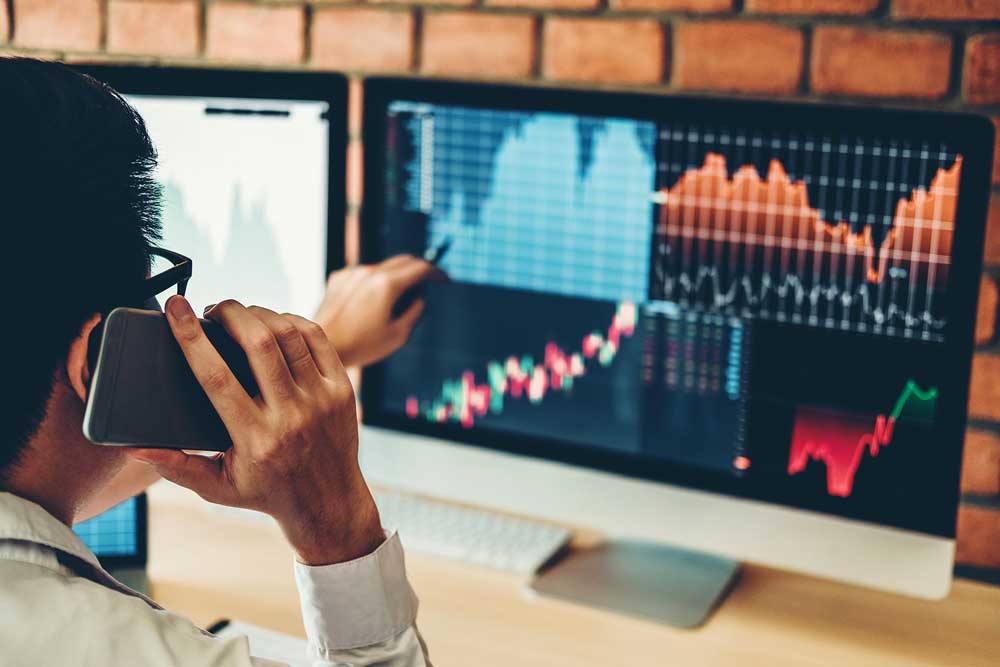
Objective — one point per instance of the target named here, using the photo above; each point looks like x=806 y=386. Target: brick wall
x=922 y=53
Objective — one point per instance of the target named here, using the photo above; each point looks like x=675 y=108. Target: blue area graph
x=113 y=533
x=547 y=202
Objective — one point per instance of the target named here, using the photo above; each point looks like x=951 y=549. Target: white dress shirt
x=59 y=607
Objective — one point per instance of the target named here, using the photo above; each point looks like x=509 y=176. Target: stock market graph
x=840 y=440
x=757 y=244
x=546 y=202
x=734 y=301
x=464 y=399
x=534 y=364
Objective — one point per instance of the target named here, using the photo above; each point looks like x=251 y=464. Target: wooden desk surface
x=208 y=562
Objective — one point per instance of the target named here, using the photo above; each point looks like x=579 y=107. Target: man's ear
x=77 y=368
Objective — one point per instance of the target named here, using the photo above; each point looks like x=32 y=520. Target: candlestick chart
x=840 y=440
x=757 y=245
x=464 y=399
x=665 y=382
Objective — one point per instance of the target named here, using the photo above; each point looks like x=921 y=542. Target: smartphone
x=143 y=392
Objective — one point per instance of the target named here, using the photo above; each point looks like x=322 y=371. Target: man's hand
x=357 y=310
x=295 y=446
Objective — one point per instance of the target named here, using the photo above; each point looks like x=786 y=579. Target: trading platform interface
x=764 y=308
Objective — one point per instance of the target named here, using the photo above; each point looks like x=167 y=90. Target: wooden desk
x=208 y=562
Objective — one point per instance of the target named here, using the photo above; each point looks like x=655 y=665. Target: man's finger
x=201 y=474
x=298 y=353
x=323 y=352
x=230 y=400
x=403 y=276
x=263 y=352
x=397 y=260
x=347 y=277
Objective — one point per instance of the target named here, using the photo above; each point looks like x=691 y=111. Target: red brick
x=958 y=10
x=357 y=38
x=981 y=71
x=984 y=387
x=67 y=25
x=456 y=3
x=811 y=7
x=981 y=463
x=261 y=33
x=978 y=536
x=599 y=50
x=991 y=250
x=544 y=4
x=869 y=62
x=747 y=56
x=153 y=27
x=479 y=45
x=693 y=6
x=987 y=315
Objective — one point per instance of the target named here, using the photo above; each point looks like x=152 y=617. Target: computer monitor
x=252 y=170
x=738 y=327
x=118 y=536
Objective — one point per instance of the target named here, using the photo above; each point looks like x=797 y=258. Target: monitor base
x=660 y=583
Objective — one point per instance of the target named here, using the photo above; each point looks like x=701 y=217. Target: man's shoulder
x=50 y=617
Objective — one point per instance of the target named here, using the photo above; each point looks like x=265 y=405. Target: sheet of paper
x=269 y=644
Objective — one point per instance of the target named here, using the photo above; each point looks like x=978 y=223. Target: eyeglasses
x=145 y=293
x=178 y=274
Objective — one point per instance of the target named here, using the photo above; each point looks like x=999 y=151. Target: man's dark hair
x=80 y=210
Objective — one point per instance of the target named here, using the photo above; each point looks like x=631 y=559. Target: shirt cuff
x=358 y=603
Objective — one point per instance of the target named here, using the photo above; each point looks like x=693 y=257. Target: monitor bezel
x=970 y=135
x=204 y=82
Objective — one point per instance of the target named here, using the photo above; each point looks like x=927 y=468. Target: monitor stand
x=652 y=581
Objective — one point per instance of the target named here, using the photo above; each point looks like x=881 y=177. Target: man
x=80 y=212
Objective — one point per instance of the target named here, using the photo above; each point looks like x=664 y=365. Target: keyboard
x=469 y=535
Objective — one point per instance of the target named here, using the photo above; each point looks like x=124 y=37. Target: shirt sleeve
x=362 y=612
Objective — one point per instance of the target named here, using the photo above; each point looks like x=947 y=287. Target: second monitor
x=251 y=166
